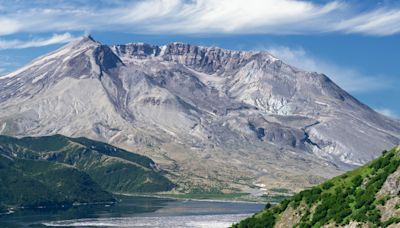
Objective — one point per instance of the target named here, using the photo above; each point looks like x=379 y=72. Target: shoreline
x=193 y=199
x=12 y=210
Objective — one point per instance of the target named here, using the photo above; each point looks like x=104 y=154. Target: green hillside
x=37 y=171
x=363 y=196
x=114 y=169
x=30 y=183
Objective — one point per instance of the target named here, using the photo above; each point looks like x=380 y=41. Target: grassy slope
x=114 y=169
x=349 y=197
x=126 y=172
x=31 y=183
x=54 y=170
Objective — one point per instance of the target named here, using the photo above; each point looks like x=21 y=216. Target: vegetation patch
x=211 y=193
x=280 y=190
x=349 y=197
x=26 y=183
x=57 y=170
x=275 y=198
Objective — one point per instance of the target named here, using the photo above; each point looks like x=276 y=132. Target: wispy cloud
x=19 y=44
x=9 y=26
x=228 y=16
x=387 y=112
x=199 y=16
x=349 y=79
x=380 y=22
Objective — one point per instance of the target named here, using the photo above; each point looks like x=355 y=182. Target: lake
x=134 y=211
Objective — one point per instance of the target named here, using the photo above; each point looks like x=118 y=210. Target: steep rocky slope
x=365 y=197
x=212 y=117
x=54 y=170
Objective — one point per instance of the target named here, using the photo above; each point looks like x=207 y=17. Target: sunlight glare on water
x=197 y=221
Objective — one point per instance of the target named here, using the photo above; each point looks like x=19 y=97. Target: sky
x=355 y=43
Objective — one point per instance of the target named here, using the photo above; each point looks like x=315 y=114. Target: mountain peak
x=202 y=58
x=84 y=41
x=85 y=57
x=89 y=37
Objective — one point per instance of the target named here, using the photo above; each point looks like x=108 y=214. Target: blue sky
x=355 y=43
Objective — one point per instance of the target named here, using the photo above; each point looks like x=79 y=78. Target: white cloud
x=201 y=16
x=349 y=79
x=387 y=112
x=9 y=26
x=227 y=16
x=19 y=44
x=380 y=22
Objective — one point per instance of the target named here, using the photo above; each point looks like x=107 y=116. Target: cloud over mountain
x=19 y=44
x=200 y=16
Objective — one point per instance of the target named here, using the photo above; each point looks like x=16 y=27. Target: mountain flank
x=368 y=196
x=57 y=170
x=216 y=119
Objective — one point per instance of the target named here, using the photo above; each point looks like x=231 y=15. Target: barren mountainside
x=213 y=117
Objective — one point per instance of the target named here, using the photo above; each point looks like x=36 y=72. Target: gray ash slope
x=212 y=117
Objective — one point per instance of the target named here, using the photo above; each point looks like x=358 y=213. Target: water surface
x=133 y=211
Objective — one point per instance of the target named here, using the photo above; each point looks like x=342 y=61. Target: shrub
x=327 y=185
x=357 y=181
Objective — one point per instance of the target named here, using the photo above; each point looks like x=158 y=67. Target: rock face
x=215 y=117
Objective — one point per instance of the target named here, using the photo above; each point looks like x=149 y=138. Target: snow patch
x=3 y=127
x=38 y=78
